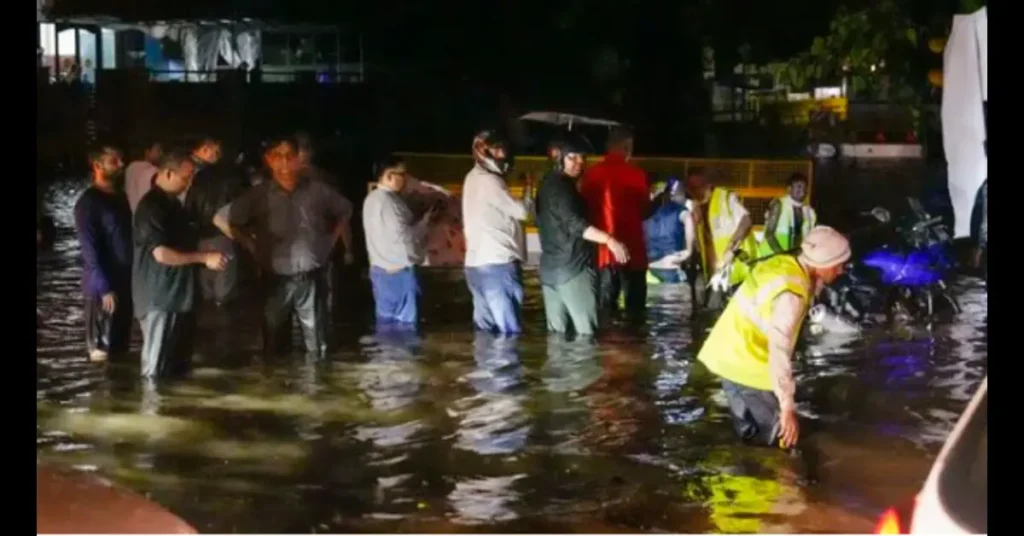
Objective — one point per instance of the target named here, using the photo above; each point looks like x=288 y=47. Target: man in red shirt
x=617 y=200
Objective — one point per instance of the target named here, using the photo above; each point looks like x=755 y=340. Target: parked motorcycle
x=902 y=272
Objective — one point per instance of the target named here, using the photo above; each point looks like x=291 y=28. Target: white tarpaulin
x=202 y=46
x=965 y=88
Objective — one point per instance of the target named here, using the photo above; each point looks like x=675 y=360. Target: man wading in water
x=103 y=222
x=495 y=243
x=567 y=273
x=166 y=262
x=291 y=225
x=394 y=246
x=751 y=346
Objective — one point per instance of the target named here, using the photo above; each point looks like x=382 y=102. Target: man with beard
x=103 y=222
x=495 y=244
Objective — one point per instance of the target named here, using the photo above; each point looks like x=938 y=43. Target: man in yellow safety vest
x=723 y=228
x=789 y=219
x=751 y=346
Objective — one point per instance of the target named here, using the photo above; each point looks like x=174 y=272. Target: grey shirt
x=294 y=232
x=138 y=179
x=394 y=240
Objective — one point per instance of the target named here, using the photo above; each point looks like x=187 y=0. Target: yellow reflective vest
x=737 y=347
x=784 y=227
x=723 y=224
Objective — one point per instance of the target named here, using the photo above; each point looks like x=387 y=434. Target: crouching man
x=751 y=346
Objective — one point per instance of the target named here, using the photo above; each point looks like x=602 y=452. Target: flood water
x=451 y=431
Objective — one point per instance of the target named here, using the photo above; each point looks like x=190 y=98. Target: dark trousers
x=305 y=296
x=168 y=340
x=754 y=413
x=219 y=286
x=614 y=281
x=110 y=332
x=395 y=295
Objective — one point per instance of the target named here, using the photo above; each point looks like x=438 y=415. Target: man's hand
x=109 y=303
x=618 y=250
x=789 y=428
x=215 y=260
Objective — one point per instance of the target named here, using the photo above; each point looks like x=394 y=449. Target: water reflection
x=492 y=422
x=393 y=382
x=404 y=431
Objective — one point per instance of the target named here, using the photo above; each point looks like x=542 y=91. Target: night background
x=446 y=430
x=435 y=71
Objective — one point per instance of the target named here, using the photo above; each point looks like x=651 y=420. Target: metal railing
x=757 y=182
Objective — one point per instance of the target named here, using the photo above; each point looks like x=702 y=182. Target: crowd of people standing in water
x=178 y=230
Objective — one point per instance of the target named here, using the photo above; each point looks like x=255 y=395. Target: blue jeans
x=497 y=296
x=396 y=295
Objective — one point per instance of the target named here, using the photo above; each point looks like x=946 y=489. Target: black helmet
x=483 y=142
x=570 y=143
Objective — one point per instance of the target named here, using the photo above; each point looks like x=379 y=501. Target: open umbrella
x=567 y=120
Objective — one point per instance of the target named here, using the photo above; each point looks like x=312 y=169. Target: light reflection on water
x=449 y=430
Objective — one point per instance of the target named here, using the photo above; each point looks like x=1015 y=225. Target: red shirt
x=618 y=201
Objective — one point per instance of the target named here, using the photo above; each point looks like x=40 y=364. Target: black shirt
x=214 y=186
x=561 y=221
x=160 y=220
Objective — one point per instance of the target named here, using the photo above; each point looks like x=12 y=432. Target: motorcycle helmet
x=571 y=143
x=484 y=144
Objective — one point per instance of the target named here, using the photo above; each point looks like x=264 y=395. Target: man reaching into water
x=751 y=346
x=723 y=226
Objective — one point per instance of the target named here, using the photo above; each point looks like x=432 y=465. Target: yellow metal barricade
x=757 y=182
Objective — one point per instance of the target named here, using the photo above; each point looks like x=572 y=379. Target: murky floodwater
x=451 y=431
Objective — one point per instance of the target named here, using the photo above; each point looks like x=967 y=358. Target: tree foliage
x=872 y=48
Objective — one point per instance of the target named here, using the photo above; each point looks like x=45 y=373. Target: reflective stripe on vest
x=722 y=223
x=784 y=226
x=737 y=347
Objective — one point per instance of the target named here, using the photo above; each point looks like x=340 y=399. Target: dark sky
x=456 y=27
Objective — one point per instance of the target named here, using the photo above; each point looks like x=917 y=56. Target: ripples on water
x=451 y=431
